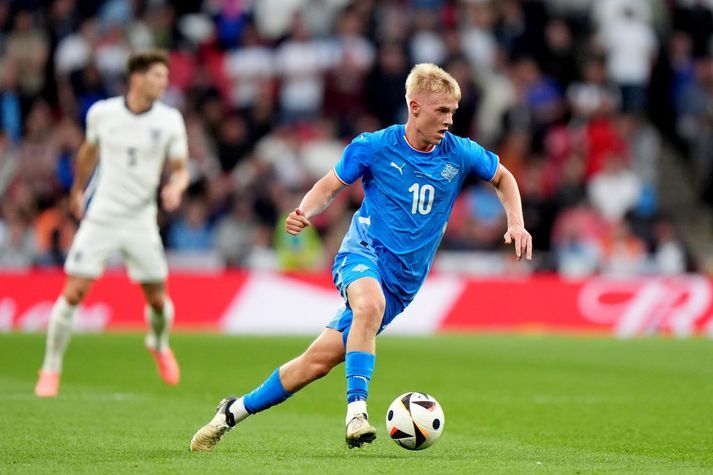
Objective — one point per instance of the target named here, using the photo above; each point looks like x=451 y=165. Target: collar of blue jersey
x=411 y=147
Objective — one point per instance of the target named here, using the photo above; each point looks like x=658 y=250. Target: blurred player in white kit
x=131 y=137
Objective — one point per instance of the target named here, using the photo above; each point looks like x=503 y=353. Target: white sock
x=159 y=325
x=355 y=408
x=59 y=330
x=237 y=409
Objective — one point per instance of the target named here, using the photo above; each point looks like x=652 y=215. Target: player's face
x=154 y=81
x=433 y=116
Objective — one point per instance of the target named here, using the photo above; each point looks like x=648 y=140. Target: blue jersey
x=408 y=197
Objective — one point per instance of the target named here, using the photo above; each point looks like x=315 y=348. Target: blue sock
x=266 y=395
x=360 y=367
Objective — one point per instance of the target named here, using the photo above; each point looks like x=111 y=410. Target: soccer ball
x=415 y=421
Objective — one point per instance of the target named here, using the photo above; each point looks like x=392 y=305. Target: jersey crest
x=449 y=172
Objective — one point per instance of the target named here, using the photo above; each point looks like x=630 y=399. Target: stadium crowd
x=577 y=98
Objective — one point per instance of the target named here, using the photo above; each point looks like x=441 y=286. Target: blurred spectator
x=278 y=150
x=644 y=149
x=9 y=163
x=322 y=151
x=669 y=253
x=88 y=88
x=624 y=253
x=463 y=120
x=385 y=85
x=577 y=248
x=571 y=188
x=10 y=102
x=235 y=233
x=54 y=231
x=593 y=95
x=233 y=142
x=249 y=67
x=607 y=11
x=695 y=124
x=230 y=20
x=481 y=220
x=111 y=54
x=615 y=190
x=426 y=45
x=28 y=47
x=630 y=45
x=558 y=57
x=301 y=252
x=353 y=59
x=477 y=38
x=301 y=61
x=17 y=241
x=192 y=232
x=274 y=17
x=38 y=153
x=69 y=139
x=696 y=18
x=75 y=50
x=537 y=205
x=538 y=100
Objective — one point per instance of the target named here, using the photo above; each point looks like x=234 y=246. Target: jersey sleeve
x=178 y=145
x=92 y=132
x=483 y=163
x=355 y=160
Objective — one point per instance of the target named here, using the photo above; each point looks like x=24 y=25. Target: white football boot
x=210 y=434
x=359 y=431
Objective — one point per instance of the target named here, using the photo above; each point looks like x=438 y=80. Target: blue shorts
x=349 y=267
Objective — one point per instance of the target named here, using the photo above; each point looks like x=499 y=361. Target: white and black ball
x=415 y=420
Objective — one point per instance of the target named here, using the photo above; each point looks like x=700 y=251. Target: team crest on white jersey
x=360 y=268
x=449 y=172
x=155 y=136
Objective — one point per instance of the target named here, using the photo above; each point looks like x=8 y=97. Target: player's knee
x=369 y=309
x=369 y=313
x=74 y=294
x=156 y=302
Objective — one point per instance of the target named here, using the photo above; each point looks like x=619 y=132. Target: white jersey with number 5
x=132 y=151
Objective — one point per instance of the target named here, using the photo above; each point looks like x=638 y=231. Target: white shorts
x=138 y=242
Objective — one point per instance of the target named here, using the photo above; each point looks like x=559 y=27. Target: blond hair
x=427 y=77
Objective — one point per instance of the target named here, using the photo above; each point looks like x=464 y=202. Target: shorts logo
x=78 y=256
x=449 y=172
x=360 y=268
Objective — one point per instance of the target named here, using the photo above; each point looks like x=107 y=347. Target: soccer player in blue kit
x=411 y=175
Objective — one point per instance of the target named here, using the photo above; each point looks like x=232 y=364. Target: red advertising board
x=245 y=302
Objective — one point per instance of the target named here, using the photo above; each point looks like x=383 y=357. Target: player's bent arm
x=321 y=195
x=314 y=202
x=84 y=165
x=179 y=174
x=509 y=195
x=177 y=183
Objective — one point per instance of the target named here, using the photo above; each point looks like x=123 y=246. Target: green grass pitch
x=513 y=404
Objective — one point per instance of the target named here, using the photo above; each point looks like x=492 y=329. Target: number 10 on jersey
x=422 y=198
